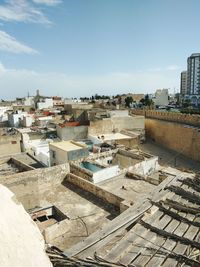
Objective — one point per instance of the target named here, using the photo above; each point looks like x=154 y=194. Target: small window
x=13 y=142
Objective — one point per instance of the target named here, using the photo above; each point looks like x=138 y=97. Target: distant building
x=193 y=79
x=161 y=97
x=183 y=85
x=45 y=103
x=193 y=74
x=65 y=151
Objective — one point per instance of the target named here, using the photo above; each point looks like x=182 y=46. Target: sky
x=74 y=48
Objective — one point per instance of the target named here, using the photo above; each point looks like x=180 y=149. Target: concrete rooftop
x=68 y=145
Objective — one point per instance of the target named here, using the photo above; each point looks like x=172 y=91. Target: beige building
x=65 y=151
x=9 y=142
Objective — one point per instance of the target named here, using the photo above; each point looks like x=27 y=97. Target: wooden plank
x=152 y=257
x=115 y=254
x=146 y=240
x=98 y=239
x=190 y=232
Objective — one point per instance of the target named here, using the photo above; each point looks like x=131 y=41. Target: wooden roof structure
x=162 y=229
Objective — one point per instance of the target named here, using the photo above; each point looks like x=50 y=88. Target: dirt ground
x=170 y=158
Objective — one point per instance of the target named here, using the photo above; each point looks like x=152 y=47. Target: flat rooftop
x=68 y=145
x=129 y=189
x=86 y=212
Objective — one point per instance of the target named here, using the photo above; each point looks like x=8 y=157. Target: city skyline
x=81 y=48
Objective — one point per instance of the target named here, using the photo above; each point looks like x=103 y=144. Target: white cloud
x=22 y=11
x=22 y=81
x=10 y=44
x=47 y=2
x=170 y=67
x=173 y=67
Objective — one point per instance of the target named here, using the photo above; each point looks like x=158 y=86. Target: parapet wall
x=193 y=120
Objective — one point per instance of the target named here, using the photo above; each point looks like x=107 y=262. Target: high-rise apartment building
x=193 y=74
x=183 y=86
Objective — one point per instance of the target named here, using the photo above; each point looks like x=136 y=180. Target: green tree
x=128 y=101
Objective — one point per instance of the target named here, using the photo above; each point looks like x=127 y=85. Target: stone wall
x=184 y=139
x=29 y=187
x=193 y=120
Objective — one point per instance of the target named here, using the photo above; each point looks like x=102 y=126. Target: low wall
x=21 y=165
x=94 y=189
x=30 y=187
x=83 y=173
x=181 y=138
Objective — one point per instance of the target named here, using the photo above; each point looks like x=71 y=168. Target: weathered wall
x=179 y=137
x=78 y=154
x=9 y=144
x=130 y=143
x=83 y=173
x=107 y=125
x=94 y=189
x=22 y=244
x=29 y=187
x=170 y=116
x=72 y=133
x=124 y=161
x=21 y=165
x=146 y=167
x=56 y=230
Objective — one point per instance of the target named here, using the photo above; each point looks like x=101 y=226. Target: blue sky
x=77 y=48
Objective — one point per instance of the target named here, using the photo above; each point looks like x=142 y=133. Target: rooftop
x=68 y=145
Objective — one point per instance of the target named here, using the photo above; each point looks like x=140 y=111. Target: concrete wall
x=72 y=133
x=146 y=167
x=105 y=174
x=124 y=161
x=30 y=187
x=116 y=123
x=94 y=189
x=181 y=138
x=57 y=155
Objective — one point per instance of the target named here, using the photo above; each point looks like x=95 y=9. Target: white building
x=15 y=119
x=3 y=114
x=45 y=104
x=161 y=97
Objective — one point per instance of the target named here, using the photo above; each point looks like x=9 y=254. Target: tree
x=186 y=103
x=146 y=101
x=128 y=101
